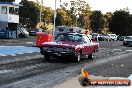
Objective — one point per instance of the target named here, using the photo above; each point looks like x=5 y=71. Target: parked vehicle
x=69 y=45
x=90 y=36
x=95 y=36
x=127 y=41
x=104 y=37
x=121 y=38
x=34 y=32
x=113 y=37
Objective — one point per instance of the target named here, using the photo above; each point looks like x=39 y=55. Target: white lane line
x=19 y=46
x=7 y=55
x=20 y=53
x=29 y=52
x=128 y=50
x=5 y=71
x=2 y=46
x=12 y=54
x=117 y=49
x=3 y=55
x=12 y=46
x=29 y=42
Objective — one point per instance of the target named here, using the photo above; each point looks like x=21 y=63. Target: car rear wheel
x=77 y=58
x=47 y=57
x=91 y=56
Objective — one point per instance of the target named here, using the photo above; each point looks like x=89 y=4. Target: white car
x=127 y=41
x=95 y=36
x=113 y=37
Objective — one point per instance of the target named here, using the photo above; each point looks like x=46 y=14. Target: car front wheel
x=91 y=56
x=77 y=57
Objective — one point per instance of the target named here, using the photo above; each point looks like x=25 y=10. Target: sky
x=103 y=5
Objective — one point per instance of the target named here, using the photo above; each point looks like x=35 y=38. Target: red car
x=70 y=45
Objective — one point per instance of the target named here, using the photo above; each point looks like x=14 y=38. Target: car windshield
x=69 y=37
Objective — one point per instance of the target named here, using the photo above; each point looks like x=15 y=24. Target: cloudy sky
x=103 y=5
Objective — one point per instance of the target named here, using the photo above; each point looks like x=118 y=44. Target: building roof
x=11 y=3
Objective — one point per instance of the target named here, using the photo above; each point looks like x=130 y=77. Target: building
x=9 y=19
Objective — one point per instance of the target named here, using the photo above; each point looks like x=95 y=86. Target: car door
x=87 y=45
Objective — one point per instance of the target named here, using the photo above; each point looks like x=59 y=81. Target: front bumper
x=58 y=54
x=57 y=51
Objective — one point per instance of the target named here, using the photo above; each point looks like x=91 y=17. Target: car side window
x=60 y=38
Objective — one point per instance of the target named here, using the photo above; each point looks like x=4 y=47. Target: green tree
x=70 y=18
x=63 y=18
x=107 y=18
x=83 y=19
x=130 y=24
x=73 y=17
x=120 y=23
x=96 y=21
x=79 y=8
x=29 y=13
x=47 y=14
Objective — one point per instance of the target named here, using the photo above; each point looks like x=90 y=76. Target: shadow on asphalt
x=67 y=60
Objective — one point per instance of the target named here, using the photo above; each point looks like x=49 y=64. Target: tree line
x=79 y=14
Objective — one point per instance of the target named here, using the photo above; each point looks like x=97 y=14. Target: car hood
x=62 y=44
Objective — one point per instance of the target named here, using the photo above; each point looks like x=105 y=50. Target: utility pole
x=54 y=19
